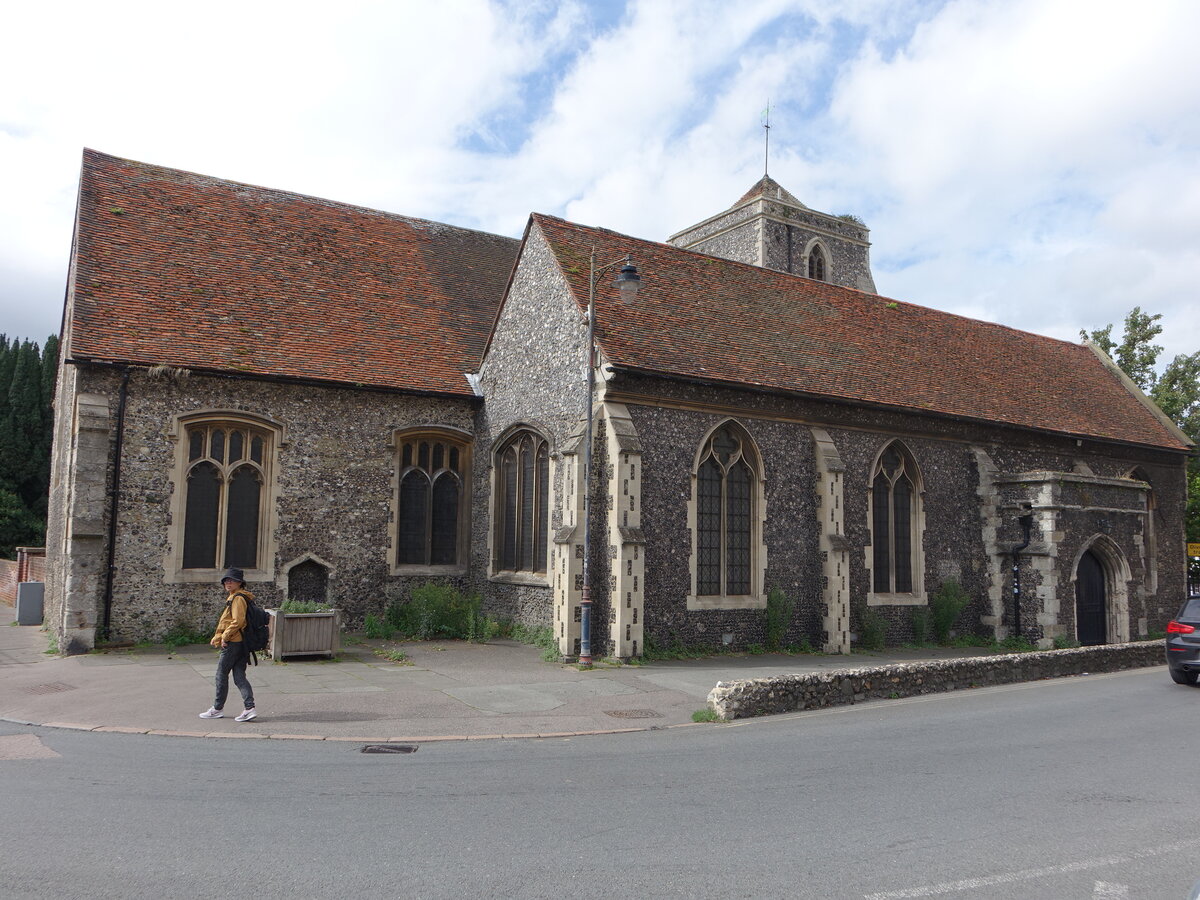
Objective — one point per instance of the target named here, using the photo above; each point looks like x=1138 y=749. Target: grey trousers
x=233 y=659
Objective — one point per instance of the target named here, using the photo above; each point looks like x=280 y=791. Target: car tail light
x=1179 y=628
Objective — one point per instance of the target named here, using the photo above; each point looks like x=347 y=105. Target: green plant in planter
x=300 y=607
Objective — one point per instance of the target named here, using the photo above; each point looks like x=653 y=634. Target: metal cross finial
x=766 y=124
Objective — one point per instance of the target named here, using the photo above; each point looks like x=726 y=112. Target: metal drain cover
x=390 y=748
x=54 y=687
x=633 y=714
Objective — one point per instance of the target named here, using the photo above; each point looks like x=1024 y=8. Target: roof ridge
x=90 y=153
x=804 y=278
x=723 y=321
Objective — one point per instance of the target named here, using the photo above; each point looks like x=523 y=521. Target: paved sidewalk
x=451 y=691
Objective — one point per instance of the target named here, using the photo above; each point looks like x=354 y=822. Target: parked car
x=1183 y=643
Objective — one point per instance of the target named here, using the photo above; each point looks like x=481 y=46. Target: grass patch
x=705 y=715
x=395 y=654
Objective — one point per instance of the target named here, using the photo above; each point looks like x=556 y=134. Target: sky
x=1029 y=162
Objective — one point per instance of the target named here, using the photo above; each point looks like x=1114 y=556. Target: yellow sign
x=1193 y=549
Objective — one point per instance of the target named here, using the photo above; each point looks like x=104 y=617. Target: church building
x=348 y=403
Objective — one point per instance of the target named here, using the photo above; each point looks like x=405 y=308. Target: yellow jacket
x=233 y=618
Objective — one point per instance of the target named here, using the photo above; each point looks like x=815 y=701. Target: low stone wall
x=790 y=693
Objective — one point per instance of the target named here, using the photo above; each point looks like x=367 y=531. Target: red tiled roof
x=205 y=274
x=701 y=317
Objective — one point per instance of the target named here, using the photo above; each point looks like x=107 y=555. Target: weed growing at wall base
x=183 y=634
x=872 y=634
x=945 y=607
x=542 y=638
x=778 y=616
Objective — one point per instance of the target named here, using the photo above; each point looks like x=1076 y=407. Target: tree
x=1176 y=391
x=1135 y=354
x=27 y=377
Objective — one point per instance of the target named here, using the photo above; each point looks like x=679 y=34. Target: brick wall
x=8 y=582
x=30 y=565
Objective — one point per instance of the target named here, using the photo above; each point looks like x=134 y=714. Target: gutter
x=1190 y=448
x=279 y=379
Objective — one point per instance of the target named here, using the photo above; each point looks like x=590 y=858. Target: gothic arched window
x=816 y=263
x=895 y=533
x=224 y=508
x=431 y=504
x=522 y=496
x=726 y=495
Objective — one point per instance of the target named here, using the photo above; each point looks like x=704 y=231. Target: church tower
x=769 y=227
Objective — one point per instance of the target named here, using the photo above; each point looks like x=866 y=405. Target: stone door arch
x=1101 y=577
x=1091 y=601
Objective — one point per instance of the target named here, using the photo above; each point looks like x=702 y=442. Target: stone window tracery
x=522 y=496
x=431 y=503
x=817 y=264
x=895 y=532
x=225 y=510
x=727 y=492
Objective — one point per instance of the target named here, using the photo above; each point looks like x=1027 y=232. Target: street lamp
x=627 y=281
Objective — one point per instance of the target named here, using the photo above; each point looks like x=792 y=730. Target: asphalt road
x=1076 y=788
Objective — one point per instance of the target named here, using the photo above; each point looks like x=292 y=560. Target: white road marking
x=24 y=746
x=972 y=884
x=1107 y=889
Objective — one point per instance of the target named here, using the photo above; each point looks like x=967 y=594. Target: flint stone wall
x=336 y=475
x=532 y=378
x=793 y=693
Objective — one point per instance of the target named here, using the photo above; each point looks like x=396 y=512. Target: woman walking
x=234 y=657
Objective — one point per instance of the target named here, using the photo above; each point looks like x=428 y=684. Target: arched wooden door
x=1091 y=623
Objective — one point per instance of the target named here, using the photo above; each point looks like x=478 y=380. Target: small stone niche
x=308 y=582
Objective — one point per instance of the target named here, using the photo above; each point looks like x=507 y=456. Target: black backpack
x=257 y=633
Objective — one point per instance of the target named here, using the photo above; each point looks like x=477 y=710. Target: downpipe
x=1026 y=523
x=114 y=502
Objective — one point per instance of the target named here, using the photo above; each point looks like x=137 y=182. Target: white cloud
x=1035 y=162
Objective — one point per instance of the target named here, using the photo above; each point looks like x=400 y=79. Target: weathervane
x=766 y=124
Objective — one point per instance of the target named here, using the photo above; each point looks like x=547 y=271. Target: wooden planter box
x=305 y=634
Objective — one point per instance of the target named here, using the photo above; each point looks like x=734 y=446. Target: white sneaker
x=246 y=716
x=212 y=713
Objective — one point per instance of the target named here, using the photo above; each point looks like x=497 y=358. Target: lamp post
x=627 y=280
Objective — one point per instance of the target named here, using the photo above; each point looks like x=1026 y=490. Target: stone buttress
x=833 y=545
x=566 y=556
x=626 y=541
x=85 y=519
